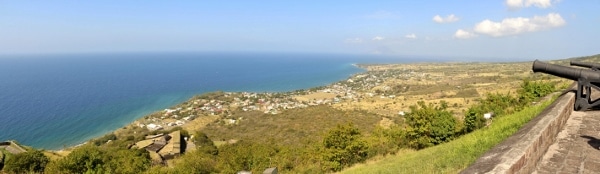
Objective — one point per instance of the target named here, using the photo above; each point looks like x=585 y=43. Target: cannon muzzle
x=593 y=66
x=565 y=71
x=586 y=80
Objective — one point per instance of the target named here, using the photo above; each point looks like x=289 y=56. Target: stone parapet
x=521 y=152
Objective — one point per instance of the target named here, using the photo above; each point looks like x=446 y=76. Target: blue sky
x=470 y=29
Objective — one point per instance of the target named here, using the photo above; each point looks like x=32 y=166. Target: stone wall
x=521 y=152
x=12 y=147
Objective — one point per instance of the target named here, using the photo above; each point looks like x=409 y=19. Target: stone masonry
x=576 y=149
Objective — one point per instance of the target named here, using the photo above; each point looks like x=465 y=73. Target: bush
x=343 y=146
x=27 y=162
x=386 y=141
x=105 y=139
x=429 y=125
x=503 y=104
x=94 y=159
x=204 y=143
x=473 y=119
x=531 y=90
x=245 y=155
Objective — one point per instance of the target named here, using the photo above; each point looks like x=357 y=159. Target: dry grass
x=292 y=127
x=315 y=96
x=459 y=84
x=199 y=123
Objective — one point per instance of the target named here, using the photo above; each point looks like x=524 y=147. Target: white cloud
x=513 y=26
x=354 y=40
x=378 y=38
x=516 y=4
x=448 y=19
x=462 y=34
x=411 y=36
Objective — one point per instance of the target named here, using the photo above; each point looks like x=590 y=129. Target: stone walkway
x=576 y=149
x=12 y=148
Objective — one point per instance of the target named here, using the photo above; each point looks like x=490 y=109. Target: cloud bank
x=513 y=26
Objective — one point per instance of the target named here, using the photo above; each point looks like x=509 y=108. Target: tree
x=473 y=119
x=429 y=125
x=245 y=155
x=343 y=146
x=127 y=161
x=204 y=143
x=84 y=159
x=196 y=162
x=94 y=159
x=532 y=90
x=33 y=161
x=104 y=139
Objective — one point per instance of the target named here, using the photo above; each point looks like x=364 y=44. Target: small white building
x=153 y=127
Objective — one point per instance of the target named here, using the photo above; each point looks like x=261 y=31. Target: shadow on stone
x=592 y=141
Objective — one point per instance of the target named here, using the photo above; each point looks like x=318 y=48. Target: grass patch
x=467 y=93
x=454 y=156
x=291 y=127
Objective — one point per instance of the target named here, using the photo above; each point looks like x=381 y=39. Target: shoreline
x=141 y=118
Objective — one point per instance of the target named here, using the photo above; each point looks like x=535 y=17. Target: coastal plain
x=381 y=95
x=375 y=99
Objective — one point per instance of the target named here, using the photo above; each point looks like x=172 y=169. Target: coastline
x=287 y=94
x=66 y=115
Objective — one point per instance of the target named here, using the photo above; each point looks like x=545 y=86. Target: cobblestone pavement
x=576 y=149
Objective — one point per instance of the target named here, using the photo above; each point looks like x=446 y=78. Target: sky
x=470 y=29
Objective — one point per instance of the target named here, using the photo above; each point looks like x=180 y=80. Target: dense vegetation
x=95 y=159
x=33 y=161
x=454 y=156
x=316 y=139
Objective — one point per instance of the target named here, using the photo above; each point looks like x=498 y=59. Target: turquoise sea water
x=53 y=101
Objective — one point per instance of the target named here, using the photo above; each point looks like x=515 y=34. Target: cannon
x=592 y=66
x=586 y=80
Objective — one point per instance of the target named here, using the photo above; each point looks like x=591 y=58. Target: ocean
x=56 y=101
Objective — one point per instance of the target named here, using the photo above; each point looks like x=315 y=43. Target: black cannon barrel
x=565 y=71
x=585 y=64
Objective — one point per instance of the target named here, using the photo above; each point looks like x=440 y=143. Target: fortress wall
x=521 y=152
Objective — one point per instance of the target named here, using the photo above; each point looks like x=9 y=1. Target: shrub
x=386 y=141
x=473 y=119
x=244 y=155
x=343 y=146
x=502 y=104
x=429 y=125
x=104 y=139
x=531 y=90
x=94 y=159
x=27 y=162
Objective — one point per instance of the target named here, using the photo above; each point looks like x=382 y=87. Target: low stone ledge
x=521 y=152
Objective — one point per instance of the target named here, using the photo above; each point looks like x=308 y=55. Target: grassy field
x=454 y=156
x=291 y=127
x=459 y=84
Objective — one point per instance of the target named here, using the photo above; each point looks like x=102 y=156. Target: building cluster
x=162 y=147
x=225 y=103
x=265 y=102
